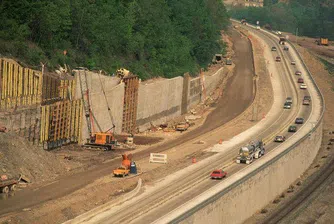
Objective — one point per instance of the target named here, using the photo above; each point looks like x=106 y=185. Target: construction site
x=73 y=119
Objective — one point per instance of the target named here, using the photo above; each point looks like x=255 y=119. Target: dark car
x=273 y=49
x=307 y=98
x=298 y=73
x=292 y=128
x=300 y=80
x=278 y=58
x=288 y=99
x=287 y=105
x=299 y=120
x=279 y=138
x=218 y=174
x=286 y=48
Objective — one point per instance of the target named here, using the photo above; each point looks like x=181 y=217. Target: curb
x=85 y=217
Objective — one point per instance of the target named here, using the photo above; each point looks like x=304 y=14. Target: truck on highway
x=253 y=150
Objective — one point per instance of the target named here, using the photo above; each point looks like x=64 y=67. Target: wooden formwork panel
x=130 y=104
x=61 y=122
x=55 y=89
x=19 y=86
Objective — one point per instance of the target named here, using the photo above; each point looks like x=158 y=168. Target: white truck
x=253 y=150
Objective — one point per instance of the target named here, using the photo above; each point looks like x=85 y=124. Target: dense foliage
x=314 y=18
x=149 y=37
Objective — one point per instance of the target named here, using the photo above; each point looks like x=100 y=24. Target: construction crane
x=105 y=140
x=85 y=97
x=108 y=107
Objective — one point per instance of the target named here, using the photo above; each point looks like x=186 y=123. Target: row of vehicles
x=255 y=149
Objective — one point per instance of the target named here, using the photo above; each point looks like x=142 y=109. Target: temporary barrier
x=158 y=158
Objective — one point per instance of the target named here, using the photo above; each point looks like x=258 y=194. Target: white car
x=258 y=27
x=279 y=32
x=303 y=86
x=293 y=63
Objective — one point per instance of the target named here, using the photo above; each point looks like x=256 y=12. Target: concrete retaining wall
x=159 y=101
x=242 y=201
x=212 y=81
x=194 y=92
x=25 y=122
x=114 y=94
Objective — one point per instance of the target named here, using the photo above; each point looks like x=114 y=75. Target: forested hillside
x=149 y=37
x=313 y=18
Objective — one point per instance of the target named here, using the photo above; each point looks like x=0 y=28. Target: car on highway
x=293 y=63
x=307 y=98
x=300 y=80
x=292 y=128
x=298 y=73
x=279 y=32
x=287 y=105
x=279 y=138
x=218 y=174
x=286 y=48
x=273 y=49
x=299 y=120
x=303 y=86
x=278 y=58
x=289 y=99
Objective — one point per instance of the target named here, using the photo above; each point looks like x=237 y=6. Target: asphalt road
x=176 y=193
x=236 y=98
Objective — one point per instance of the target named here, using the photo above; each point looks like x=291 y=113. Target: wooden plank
x=1 y=75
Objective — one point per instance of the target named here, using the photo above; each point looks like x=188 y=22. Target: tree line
x=149 y=37
x=313 y=18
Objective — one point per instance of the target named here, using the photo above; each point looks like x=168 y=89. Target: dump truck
x=121 y=171
x=104 y=140
x=8 y=184
x=253 y=150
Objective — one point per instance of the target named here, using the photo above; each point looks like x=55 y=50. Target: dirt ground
x=319 y=209
x=108 y=188
x=18 y=156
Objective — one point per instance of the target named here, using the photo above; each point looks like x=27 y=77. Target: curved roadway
x=153 y=204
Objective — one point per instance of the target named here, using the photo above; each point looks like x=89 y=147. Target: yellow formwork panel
x=4 y=80
x=25 y=80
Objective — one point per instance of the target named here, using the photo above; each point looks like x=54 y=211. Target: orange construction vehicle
x=105 y=140
x=322 y=41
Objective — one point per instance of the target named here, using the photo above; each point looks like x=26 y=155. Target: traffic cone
x=194 y=160
x=220 y=141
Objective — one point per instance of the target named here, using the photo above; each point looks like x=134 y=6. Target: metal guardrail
x=248 y=176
